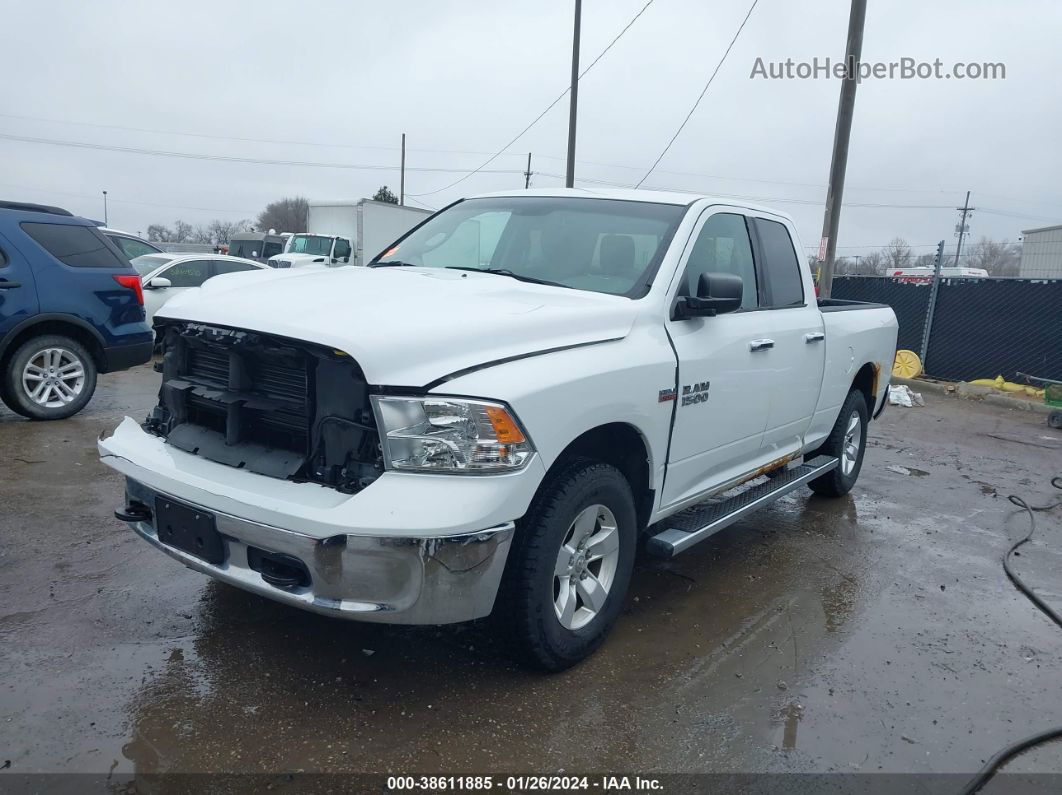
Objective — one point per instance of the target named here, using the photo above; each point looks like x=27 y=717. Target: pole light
x=105 y=208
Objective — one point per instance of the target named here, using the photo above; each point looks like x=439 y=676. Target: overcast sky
x=340 y=82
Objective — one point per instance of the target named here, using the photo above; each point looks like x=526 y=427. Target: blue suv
x=71 y=306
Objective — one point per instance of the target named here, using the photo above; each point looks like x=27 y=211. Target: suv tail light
x=133 y=283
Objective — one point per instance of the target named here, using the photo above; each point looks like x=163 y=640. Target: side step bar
x=698 y=522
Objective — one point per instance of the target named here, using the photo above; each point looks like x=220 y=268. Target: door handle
x=814 y=336
x=9 y=285
x=760 y=345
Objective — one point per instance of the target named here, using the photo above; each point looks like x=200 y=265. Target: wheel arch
x=623 y=446
x=866 y=381
x=67 y=325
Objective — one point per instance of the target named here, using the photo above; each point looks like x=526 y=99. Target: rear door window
x=78 y=246
x=780 y=266
x=224 y=266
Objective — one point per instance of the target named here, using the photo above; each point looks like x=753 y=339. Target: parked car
x=130 y=245
x=167 y=275
x=493 y=414
x=71 y=307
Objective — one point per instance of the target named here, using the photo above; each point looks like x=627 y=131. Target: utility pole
x=527 y=174
x=841 y=134
x=402 y=179
x=105 y=208
x=966 y=209
x=569 y=179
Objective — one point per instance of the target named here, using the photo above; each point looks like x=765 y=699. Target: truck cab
x=565 y=378
x=306 y=248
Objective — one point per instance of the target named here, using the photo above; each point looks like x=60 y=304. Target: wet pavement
x=874 y=632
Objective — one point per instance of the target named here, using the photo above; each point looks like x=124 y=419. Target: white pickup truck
x=498 y=411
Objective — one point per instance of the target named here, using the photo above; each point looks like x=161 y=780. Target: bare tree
x=998 y=257
x=925 y=261
x=872 y=264
x=285 y=215
x=384 y=194
x=897 y=254
x=157 y=233
x=182 y=231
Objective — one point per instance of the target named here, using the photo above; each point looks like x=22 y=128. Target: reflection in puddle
x=790 y=714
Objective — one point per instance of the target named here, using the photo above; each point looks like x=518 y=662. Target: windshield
x=147 y=263
x=310 y=244
x=602 y=245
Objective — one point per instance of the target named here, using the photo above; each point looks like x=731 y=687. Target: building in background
x=1041 y=253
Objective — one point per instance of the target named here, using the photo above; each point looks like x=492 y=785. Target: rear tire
x=847 y=443
x=570 y=566
x=50 y=377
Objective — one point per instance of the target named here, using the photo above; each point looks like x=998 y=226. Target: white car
x=167 y=275
x=501 y=409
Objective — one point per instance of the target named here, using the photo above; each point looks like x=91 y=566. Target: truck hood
x=298 y=260
x=408 y=326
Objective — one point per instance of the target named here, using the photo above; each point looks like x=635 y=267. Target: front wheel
x=847 y=442
x=570 y=566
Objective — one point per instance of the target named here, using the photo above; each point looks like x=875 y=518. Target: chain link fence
x=981 y=328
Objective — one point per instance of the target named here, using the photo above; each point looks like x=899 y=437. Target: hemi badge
x=666 y=395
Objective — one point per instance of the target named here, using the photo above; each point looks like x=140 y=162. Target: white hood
x=298 y=260
x=408 y=326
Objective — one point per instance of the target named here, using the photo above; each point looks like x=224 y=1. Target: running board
x=699 y=522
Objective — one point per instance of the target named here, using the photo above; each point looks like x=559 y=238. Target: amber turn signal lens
x=505 y=428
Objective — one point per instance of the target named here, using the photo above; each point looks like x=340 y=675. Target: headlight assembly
x=450 y=435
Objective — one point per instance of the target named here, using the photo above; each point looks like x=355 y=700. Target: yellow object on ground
x=907 y=365
x=1008 y=386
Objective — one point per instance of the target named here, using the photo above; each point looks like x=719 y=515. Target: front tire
x=847 y=442
x=570 y=566
x=50 y=377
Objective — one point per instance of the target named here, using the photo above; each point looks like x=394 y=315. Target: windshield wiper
x=393 y=263
x=506 y=272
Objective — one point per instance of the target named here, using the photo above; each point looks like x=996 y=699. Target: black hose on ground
x=1011 y=751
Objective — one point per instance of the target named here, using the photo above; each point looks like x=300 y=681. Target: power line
x=232 y=159
x=111 y=198
x=767 y=199
x=238 y=139
x=704 y=91
x=549 y=107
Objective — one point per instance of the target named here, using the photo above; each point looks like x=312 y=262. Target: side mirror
x=717 y=293
x=158 y=283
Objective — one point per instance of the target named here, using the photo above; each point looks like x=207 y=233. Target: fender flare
x=44 y=317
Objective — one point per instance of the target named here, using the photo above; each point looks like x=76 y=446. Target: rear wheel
x=49 y=378
x=570 y=566
x=847 y=443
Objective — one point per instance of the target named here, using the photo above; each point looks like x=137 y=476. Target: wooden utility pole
x=569 y=179
x=841 y=134
x=402 y=178
x=527 y=174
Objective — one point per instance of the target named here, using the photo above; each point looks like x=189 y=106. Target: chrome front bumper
x=397 y=580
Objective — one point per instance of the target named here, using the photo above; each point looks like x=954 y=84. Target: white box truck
x=350 y=231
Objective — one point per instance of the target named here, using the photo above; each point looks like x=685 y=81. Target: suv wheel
x=570 y=565
x=49 y=378
x=847 y=442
